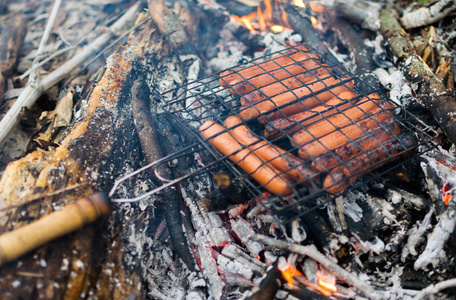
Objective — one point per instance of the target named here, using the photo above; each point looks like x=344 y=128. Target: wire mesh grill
x=293 y=127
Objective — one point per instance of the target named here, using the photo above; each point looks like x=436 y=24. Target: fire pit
x=251 y=151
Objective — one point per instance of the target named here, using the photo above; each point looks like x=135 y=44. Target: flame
x=289 y=274
x=314 y=21
x=326 y=281
x=273 y=17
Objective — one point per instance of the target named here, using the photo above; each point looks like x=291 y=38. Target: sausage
x=345 y=132
x=278 y=61
x=281 y=86
x=305 y=68
x=309 y=97
x=374 y=138
x=266 y=175
x=332 y=123
x=294 y=122
x=343 y=176
x=292 y=166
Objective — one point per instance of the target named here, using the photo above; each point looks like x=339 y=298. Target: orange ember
x=446 y=195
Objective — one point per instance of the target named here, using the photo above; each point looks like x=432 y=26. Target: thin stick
x=435 y=288
x=311 y=251
x=33 y=91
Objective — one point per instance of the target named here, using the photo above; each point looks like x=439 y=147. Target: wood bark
x=95 y=152
x=437 y=98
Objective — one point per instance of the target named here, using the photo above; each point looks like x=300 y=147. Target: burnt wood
x=149 y=139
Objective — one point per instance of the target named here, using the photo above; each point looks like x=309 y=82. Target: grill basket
x=391 y=131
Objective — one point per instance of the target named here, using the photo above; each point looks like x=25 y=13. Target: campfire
x=243 y=150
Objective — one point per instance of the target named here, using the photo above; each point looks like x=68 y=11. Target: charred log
x=150 y=145
x=269 y=286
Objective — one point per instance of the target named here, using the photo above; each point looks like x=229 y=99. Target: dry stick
x=435 y=288
x=311 y=251
x=428 y=15
x=33 y=91
x=430 y=89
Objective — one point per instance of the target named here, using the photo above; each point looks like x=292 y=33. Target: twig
x=45 y=37
x=435 y=288
x=311 y=251
x=46 y=60
x=33 y=91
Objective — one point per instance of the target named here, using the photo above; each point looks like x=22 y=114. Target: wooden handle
x=84 y=211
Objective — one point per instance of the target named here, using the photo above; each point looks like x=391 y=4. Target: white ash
x=394 y=81
x=416 y=235
x=298 y=233
x=233 y=266
x=434 y=253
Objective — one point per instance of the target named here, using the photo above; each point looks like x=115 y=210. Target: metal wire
x=285 y=99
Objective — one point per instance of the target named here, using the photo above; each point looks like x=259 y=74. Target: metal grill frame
x=205 y=99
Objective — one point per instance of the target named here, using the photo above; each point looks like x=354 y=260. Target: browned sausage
x=345 y=132
x=343 y=176
x=373 y=138
x=293 y=167
x=309 y=97
x=244 y=86
x=279 y=61
x=281 y=86
x=266 y=175
x=294 y=122
x=334 y=122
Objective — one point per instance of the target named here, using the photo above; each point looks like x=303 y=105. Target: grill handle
x=16 y=243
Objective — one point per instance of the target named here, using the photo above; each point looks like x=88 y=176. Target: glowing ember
x=289 y=274
x=446 y=192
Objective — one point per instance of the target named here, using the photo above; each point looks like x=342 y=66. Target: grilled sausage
x=343 y=176
x=374 y=138
x=263 y=91
x=277 y=62
x=309 y=97
x=266 y=175
x=293 y=123
x=292 y=166
x=332 y=123
x=350 y=131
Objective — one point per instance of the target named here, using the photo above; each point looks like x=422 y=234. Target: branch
x=34 y=90
x=312 y=252
x=435 y=288
x=429 y=88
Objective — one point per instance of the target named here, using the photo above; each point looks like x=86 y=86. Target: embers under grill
x=292 y=127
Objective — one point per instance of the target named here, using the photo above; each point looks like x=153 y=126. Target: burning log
x=428 y=87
